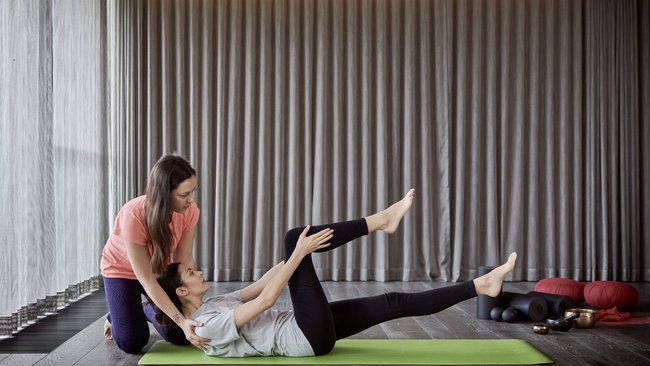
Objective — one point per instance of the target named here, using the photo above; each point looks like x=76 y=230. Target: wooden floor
x=602 y=345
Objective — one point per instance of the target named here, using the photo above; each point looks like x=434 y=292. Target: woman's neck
x=191 y=305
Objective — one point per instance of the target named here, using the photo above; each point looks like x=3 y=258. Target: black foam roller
x=531 y=307
x=484 y=303
x=556 y=303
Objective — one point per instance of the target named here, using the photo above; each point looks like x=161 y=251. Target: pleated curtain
x=54 y=160
x=523 y=125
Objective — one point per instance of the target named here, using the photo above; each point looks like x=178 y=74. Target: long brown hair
x=169 y=280
x=168 y=173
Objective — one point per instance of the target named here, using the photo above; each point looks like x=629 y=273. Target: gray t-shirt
x=272 y=333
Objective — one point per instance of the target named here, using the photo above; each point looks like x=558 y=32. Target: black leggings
x=323 y=322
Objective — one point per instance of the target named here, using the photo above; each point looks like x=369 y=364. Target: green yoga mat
x=373 y=351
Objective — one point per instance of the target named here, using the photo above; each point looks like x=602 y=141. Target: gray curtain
x=523 y=126
x=53 y=160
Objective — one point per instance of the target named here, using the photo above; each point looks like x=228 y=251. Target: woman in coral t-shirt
x=150 y=232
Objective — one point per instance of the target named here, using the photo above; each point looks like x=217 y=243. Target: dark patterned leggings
x=128 y=316
x=323 y=322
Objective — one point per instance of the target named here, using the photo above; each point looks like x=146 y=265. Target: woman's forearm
x=253 y=290
x=269 y=295
x=278 y=280
x=270 y=273
x=140 y=259
x=162 y=301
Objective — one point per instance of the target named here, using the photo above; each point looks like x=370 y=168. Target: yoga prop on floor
x=556 y=304
x=540 y=328
x=607 y=294
x=373 y=351
x=562 y=324
x=509 y=315
x=484 y=303
x=587 y=319
x=496 y=313
x=531 y=307
x=615 y=317
x=562 y=286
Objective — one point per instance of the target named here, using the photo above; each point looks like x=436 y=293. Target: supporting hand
x=307 y=244
x=188 y=325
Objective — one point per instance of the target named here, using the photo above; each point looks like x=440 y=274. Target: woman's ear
x=181 y=291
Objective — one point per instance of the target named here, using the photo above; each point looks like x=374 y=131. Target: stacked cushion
x=563 y=287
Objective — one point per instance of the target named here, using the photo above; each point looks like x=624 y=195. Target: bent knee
x=290 y=240
x=292 y=235
x=324 y=347
x=131 y=345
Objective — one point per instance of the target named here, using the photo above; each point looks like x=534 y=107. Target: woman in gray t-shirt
x=242 y=323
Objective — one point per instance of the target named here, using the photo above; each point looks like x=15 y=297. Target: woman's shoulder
x=136 y=201
x=234 y=296
x=135 y=204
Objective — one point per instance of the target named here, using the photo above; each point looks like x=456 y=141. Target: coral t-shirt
x=130 y=225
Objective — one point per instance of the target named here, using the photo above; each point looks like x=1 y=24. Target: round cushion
x=561 y=286
x=607 y=294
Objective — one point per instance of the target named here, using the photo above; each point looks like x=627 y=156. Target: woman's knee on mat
x=131 y=343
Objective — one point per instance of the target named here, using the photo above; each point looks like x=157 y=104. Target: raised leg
x=355 y=315
x=310 y=304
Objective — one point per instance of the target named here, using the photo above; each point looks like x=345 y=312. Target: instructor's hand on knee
x=307 y=244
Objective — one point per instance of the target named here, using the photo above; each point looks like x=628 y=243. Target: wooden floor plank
x=22 y=359
x=106 y=353
x=72 y=350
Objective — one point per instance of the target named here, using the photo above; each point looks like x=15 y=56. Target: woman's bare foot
x=389 y=219
x=107 y=330
x=490 y=283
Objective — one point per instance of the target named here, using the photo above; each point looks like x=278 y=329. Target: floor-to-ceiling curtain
x=523 y=125
x=546 y=115
x=53 y=167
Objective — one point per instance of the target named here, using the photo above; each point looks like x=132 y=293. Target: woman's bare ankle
x=393 y=215
x=490 y=284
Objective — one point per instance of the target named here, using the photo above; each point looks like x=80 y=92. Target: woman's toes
x=107 y=330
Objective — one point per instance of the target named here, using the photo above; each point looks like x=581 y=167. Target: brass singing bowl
x=587 y=318
x=540 y=328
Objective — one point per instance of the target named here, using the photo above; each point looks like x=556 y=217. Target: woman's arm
x=140 y=261
x=255 y=289
x=184 y=249
x=269 y=295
